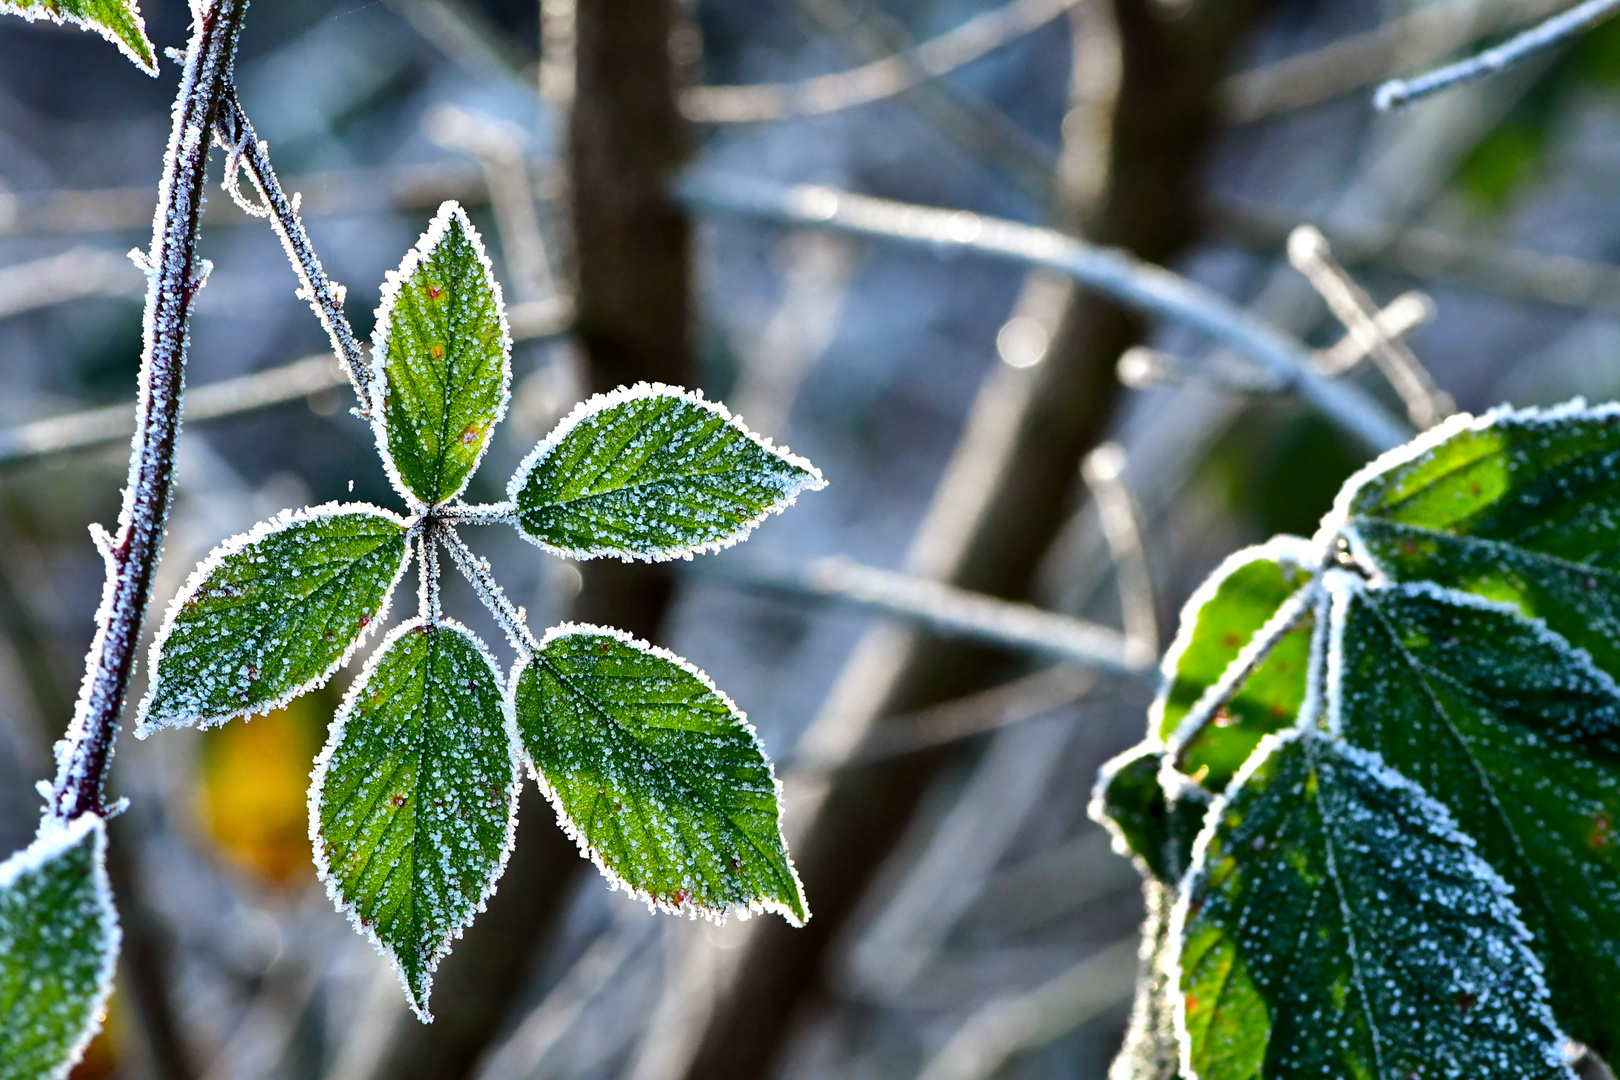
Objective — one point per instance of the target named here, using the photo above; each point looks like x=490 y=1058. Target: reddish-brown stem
x=132 y=553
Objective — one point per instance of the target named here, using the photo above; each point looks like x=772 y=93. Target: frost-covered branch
x=324 y=295
x=176 y=274
x=1398 y=93
x=1143 y=286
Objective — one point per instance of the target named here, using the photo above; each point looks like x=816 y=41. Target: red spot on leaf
x=1602 y=830
x=1466 y=1001
x=434 y=292
x=1231 y=640
x=469 y=436
x=438 y=351
x=397 y=800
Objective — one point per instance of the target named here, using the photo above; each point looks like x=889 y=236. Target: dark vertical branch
x=132 y=554
x=1163 y=116
x=626 y=141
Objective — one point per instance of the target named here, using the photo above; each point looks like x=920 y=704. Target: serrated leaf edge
x=598 y=403
x=317 y=783
x=1337 y=519
x=147 y=64
x=1344 y=587
x=53 y=839
x=691 y=910
x=393 y=280
x=1440 y=818
x=224 y=550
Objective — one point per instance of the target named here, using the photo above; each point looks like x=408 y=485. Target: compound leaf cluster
x=658 y=776
x=1383 y=775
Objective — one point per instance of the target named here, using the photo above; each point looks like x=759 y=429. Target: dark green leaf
x=1220 y=620
x=441 y=352
x=273 y=613
x=58 y=943
x=656 y=774
x=1520 y=736
x=1337 y=925
x=1132 y=802
x=1513 y=506
x=119 y=21
x=652 y=473
x=414 y=797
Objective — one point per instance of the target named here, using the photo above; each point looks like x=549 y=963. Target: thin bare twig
x=880 y=79
x=1426 y=403
x=1398 y=93
x=176 y=274
x=476 y=570
x=1114 y=272
x=1104 y=473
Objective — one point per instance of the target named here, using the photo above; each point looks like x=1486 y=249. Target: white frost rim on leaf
x=1336 y=519
x=53 y=840
x=1441 y=825
x=600 y=403
x=280 y=523
x=317 y=786
x=718 y=916
x=1287 y=550
x=39 y=9
x=1345 y=588
x=393 y=281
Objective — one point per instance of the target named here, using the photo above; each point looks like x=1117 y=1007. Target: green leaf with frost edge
x=1152 y=812
x=413 y=802
x=1336 y=923
x=119 y=21
x=652 y=473
x=441 y=354
x=1516 y=506
x=59 y=939
x=1518 y=734
x=656 y=775
x=273 y=613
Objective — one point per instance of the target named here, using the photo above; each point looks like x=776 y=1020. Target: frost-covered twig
x=1398 y=93
x=880 y=79
x=1104 y=472
x=961 y=613
x=228 y=397
x=1147 y=288
x=132 y=554
x=324 y=295
x=476 y=571
x=1426 y=403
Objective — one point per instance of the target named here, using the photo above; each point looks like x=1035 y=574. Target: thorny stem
x=175 y=275
x=1292 y=612
x=324 y=295
x=476 y=571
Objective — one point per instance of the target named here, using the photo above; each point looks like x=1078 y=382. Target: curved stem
x=324 y=295
x=175 y=275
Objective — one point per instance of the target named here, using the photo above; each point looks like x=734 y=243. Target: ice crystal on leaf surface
x=1401 y=742
x=655 y=773
x=58 y=945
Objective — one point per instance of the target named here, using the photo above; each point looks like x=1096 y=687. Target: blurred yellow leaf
x=251 y=789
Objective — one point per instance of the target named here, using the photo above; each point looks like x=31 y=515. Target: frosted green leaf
x=1519 y=735
x=414 y=798
x=652 y=472
x=1337 y=925
x=59 y=941
x=1521 y=507
x=272 y=613
x=1157 y=826
x=1217 y=624
x=441 y=352
x=656 y=775
x=119 y=21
